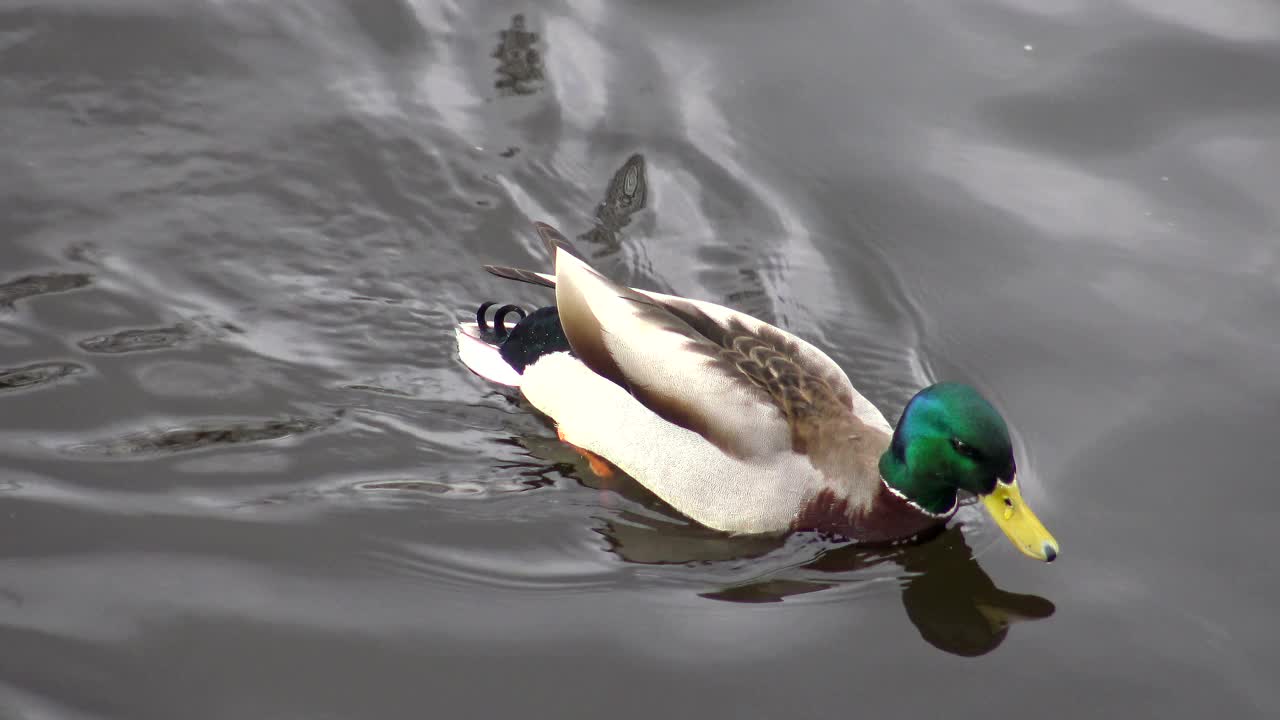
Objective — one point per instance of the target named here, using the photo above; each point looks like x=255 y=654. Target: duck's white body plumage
x=734 y=422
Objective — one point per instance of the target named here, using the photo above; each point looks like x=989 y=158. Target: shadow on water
x=953 y=603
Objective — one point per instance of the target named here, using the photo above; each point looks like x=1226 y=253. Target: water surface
x=243 y=474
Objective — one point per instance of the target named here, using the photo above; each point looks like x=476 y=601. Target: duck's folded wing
x=810 y=361
x=746 y=386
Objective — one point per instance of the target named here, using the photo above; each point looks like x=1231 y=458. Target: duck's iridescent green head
x=950 y=438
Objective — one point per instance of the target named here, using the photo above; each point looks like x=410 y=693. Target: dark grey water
x=243 y=475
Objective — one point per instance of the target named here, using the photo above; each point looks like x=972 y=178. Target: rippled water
x=243 y=475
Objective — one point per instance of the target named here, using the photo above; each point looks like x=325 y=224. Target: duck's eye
x=965 y=449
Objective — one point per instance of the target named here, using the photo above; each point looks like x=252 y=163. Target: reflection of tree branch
x=519 y=62
x=201 y=435
x=627 y=194
x=32 y=285
x=30 y=376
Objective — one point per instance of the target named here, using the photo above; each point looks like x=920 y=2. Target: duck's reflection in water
x=948 y=597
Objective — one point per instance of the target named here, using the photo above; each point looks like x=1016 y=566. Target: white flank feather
x=678 y=465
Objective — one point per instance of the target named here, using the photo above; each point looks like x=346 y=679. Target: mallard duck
x=740 y=425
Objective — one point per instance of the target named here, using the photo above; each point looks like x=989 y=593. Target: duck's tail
x=500 y=353
x=480 y=344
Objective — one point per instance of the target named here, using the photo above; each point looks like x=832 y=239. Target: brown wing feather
x=592 y=342
x=673 y=406
x=806 y=396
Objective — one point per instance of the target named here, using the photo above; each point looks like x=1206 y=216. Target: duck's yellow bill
x=1019 y=523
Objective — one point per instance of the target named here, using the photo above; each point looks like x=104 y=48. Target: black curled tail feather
x=498 y=331
x=480 y=312
x=499 y=328
x=536 y=334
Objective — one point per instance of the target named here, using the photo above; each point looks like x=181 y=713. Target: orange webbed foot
x=601 y=467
